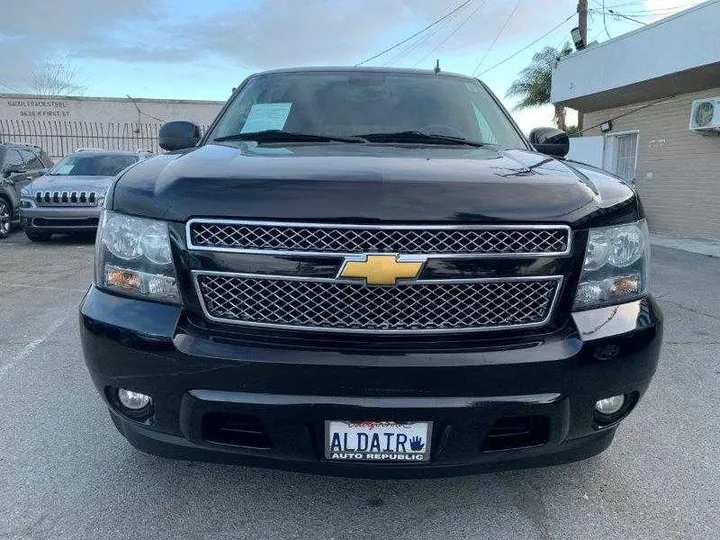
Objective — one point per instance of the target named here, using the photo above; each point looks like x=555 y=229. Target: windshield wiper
x=418 y=137
x=279 y=135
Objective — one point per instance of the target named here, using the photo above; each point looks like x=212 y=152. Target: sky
x=189 y=49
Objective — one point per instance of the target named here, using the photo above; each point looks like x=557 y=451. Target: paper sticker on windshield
x=264 y=116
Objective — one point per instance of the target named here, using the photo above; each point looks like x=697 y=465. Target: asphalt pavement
x=66 y=473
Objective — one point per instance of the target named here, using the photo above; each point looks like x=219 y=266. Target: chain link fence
x=59 y=138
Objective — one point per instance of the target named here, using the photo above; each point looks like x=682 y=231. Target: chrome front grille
x=66 y=198
x=328 y=304
x=337 y=239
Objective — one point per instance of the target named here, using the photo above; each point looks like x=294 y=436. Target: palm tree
x=533 y=83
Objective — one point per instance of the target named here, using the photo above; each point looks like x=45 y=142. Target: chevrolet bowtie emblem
x=381 y=269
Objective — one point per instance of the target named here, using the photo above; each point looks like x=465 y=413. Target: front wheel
x=38 y=236
x=5 y=218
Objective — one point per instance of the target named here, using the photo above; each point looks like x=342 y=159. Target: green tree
x=533 y=83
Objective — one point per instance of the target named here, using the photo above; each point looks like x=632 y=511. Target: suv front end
x=44 y=213
x=69 y=198
x=495 y=397
x=353 y=308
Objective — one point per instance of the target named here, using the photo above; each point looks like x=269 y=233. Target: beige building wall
x=677 y=171
x=25 y=107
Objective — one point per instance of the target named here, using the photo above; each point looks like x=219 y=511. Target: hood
x=369 y=183
x=98 y=184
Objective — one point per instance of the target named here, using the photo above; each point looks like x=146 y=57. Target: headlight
x=27 y=202
x=133 y=257
x=615 y=269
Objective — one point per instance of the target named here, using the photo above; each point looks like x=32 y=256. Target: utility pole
x=582 y=9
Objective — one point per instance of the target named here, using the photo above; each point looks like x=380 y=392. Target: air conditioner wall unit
x=705 y=115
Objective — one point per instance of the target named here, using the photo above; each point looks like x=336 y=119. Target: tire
x=5 y=217
x=38 y=236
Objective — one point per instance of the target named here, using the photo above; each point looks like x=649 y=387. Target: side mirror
x=550 y=141
x=13 y=169
x=178 y=135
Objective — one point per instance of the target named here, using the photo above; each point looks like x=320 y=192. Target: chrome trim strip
x=551 y=308
x=337 y=254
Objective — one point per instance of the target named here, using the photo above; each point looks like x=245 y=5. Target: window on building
x=626 y=155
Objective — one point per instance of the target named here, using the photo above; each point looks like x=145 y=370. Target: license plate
x=377 y=441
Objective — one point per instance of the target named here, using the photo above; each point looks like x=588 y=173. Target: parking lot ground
x=66 y=473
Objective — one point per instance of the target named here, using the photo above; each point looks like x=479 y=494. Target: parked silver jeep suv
x=69 y=198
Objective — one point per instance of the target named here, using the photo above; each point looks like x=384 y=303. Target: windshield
x=351 y=104
x=93 y=165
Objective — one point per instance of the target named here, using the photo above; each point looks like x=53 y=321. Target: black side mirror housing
x=13 y=169
x=550 y=141
x=178 y=135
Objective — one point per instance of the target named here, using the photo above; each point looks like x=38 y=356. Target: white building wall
x=587 y=150
x=684 y=41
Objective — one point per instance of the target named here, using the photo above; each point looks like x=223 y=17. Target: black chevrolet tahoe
x=369 y=272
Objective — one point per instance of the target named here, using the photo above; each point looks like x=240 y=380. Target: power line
x=621 y=4
x=449 y=36
x=632 y=13
x=628 y=113
x=411 y=47
x=595 y=37
x=458 y=8
x=497 y=36
x=626 y=17
x=527 y=46
x=11 y=88
x=141 y=112
x=436 y=27
x=650 y=10
x=604 y=14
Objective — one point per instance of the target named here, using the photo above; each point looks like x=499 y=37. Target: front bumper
x=61 y=220
x=291 y=389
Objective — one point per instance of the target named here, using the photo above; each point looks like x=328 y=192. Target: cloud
x=279 y=32
x=32 y=30
x=261 y=33
x=268 y=32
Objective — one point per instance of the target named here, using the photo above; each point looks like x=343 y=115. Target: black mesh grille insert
x=351 y=306
x=334 y=239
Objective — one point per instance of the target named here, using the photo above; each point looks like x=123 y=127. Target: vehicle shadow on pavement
x=302 y=503
x=17 y=236
x=72 y=239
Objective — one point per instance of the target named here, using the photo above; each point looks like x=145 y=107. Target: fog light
x=611 y=405
x=133 y=400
